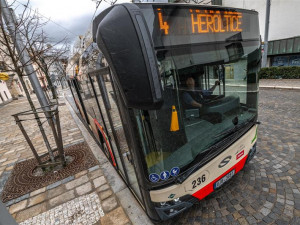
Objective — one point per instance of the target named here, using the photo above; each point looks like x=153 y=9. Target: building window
x=286 y=60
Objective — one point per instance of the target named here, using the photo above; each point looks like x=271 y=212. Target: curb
x=281 y=87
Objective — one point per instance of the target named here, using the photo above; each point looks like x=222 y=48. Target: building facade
x=13 y=84
x=84 y=56
x=5 y=96
x=284 y=29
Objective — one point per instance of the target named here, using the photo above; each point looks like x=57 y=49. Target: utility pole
x=22 y=51
x=265 y=54
x=24 y=59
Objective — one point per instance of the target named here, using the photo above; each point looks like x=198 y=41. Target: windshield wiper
x=185 y=175
x=231 y=130
x=236 y=128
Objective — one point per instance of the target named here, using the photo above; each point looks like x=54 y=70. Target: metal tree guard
x=56 y=155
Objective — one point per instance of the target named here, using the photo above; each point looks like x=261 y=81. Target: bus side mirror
x=123 y=37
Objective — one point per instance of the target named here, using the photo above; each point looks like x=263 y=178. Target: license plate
x=227 y=177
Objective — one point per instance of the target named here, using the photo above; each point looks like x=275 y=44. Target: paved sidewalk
x=291 y=84
x=83 y=198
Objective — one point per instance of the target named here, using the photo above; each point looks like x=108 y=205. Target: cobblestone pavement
x=85 y=209
x=51 y=200
x=267 y=191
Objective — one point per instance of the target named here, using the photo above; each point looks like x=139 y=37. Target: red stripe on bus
x=209 y=188
x=107 y=144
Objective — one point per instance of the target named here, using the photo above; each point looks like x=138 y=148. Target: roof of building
x=284 y=46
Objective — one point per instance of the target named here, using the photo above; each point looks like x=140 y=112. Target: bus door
x=110 y=105
x=98 y=120
x=94 y=115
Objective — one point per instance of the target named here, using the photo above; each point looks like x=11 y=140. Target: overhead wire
x=48 y=18
x=69 y=31
x=97 y=6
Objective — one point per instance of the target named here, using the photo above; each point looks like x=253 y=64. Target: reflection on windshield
x=209 y=99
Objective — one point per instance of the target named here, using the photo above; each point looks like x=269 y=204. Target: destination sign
x=200 y=21
x=178 y=25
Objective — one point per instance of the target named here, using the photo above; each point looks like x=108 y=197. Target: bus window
x=221 y=97
x=103 y=124
x=117 y=133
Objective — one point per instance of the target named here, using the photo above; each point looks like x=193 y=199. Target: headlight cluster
x=169 y=203
x=171 y=208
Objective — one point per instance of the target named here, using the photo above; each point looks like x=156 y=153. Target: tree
x=25 y=44
x=43 y=53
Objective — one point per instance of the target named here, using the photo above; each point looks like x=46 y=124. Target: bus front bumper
x=167 y=210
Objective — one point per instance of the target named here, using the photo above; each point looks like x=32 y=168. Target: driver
x=194 y=98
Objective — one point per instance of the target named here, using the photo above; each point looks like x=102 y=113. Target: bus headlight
x=176 y=200
x=171 y=208
x=162 y=203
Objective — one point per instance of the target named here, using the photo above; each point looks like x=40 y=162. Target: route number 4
x=163 y=25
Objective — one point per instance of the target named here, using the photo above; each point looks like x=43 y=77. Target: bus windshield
x=212 y=87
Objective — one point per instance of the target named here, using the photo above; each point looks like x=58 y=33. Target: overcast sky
x=74 y=15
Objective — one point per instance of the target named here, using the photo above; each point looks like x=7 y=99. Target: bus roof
x=198 y=5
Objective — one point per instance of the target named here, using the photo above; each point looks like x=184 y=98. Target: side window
x=115 y=130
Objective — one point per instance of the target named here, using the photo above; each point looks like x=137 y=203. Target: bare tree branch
x=26 y=35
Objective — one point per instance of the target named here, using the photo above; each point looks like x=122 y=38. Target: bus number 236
x=198 y=181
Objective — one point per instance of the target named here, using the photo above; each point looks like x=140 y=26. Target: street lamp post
x=265 y=54
x=24 y=56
